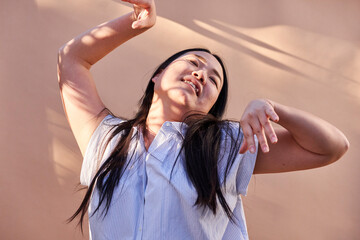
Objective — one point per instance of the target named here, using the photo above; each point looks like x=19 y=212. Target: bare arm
x=82 y=104
x=304 y=142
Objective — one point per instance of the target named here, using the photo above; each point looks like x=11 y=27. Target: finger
x=143 y=15
x=249 y=137
x=243 y=147
x=259 y=132
x=138 y=25
x=272 y=114
x=135 y=25
x=141 y=20
x=269 y=130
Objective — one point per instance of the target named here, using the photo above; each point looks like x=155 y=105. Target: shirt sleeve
x=95 y=153
x=245 y=169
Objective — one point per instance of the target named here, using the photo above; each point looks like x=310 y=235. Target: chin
x=182 y=98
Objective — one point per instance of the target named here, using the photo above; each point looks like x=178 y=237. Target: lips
x=193 y=83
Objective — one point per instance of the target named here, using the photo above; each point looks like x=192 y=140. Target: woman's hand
x=256 y=120
x=144 y=13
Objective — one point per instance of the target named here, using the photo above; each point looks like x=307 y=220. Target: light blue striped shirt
x=146 y=204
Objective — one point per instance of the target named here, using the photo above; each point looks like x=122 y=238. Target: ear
x=156 y=77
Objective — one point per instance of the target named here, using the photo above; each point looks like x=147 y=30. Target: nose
x=199 y=75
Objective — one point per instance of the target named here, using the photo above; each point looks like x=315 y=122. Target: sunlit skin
x=304 y=141
x=190 y=84
x=174 y=97
x=199 y=67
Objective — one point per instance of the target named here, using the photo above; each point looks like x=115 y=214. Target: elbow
x=339 y=150
x=344 y=147
x=60 y=57
x=59 y=64
x=65 y=52
x=68 y=57
x=61 y=54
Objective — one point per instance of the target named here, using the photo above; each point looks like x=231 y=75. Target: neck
x=159 y=113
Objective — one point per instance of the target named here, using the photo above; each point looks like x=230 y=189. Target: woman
x=175 y=171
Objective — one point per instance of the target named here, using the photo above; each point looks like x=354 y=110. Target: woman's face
x=192 y=82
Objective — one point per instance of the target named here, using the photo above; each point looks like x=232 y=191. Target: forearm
x=312 y=133
x=93 y=45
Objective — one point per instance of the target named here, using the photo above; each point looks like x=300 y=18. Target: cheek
x=210 y=98
x=214 y=93
x=214 y=97
x=162 y=85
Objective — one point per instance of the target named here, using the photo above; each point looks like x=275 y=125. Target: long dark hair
x=204 y=132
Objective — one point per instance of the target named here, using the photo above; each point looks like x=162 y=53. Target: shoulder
x=106 y=126
x=111 y=120
x=230 y=130
x=103 y=131
x=236 y=167
x=100 y=146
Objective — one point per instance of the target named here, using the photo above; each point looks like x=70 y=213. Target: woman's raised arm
x=82 y=104
x=304 y=142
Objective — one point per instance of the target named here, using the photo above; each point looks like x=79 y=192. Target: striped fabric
x=147 y=204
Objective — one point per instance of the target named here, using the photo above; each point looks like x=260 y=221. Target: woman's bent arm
x=82 y=104
x=304 y=142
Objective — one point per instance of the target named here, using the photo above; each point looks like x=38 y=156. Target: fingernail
x=252 y=149
x=274 y=139
x=266 y=149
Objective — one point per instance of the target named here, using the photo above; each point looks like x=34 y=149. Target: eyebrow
x=204 y=61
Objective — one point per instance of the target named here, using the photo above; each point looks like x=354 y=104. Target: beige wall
x=299 y=52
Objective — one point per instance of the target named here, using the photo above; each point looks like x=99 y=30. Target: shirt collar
x=180 y=127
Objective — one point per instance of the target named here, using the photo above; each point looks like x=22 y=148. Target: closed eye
x=213 y=80
x=194 y=62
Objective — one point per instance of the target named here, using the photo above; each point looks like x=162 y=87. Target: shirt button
x=167 y=124
x=140 y=229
